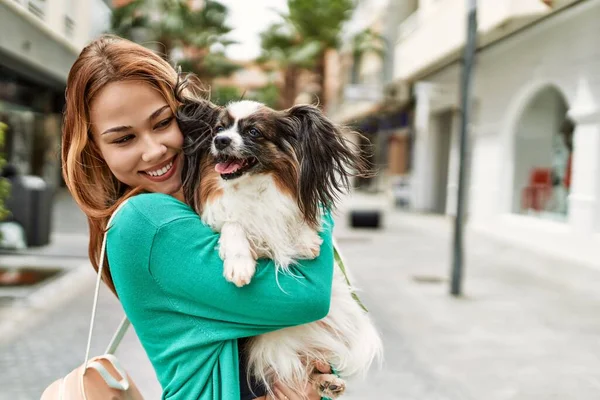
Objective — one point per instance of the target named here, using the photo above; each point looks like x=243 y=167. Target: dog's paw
x=239 y=270
x=312 y=249
x=329 y=385
x=315 y=251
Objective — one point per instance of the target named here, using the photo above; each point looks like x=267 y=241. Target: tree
x=283 y=46
x=222 y=95
x=188 y=36
x=268 y=95
x=4 y=184
x=321 y=22
x=364 y=42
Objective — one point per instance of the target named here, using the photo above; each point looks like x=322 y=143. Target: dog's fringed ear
x=327 y=160
x=196 y=119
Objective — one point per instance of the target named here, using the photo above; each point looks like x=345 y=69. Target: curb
x=49 y=297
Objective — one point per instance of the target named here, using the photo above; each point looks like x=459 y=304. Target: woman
x=120 y=138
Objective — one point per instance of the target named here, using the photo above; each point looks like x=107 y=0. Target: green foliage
x=221 y=95
x=4 y=184
x=320 y=20
x=368 y=41
x=282 y=44
x=173 y=24
x=126 y=19
x=364 y=42
x=268 y=95
x=300 y=41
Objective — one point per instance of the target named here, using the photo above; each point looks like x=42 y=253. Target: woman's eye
x=123 y=140
x=164 y=123
x=253 y=132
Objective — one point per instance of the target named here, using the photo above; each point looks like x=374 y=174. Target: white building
x=537 y=69
x=39 y=41
x=362 y=93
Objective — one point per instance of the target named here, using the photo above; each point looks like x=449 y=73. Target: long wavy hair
x=91 y=183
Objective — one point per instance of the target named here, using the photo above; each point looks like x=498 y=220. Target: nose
x=222 y=142
x=154 y=151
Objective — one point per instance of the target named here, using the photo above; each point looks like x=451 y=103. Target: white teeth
x=161 y=171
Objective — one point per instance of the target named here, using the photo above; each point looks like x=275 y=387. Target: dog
x=261 y=178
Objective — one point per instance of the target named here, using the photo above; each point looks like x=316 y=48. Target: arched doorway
x=543 y=153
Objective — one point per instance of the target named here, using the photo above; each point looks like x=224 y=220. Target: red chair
x=538 y=191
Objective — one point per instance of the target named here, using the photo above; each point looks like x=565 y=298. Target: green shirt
x=169 y=277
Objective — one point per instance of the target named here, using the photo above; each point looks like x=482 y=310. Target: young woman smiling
x=121 y=141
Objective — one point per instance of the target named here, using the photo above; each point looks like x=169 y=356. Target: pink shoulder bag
x=101 y=377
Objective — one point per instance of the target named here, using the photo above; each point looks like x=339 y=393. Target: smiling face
x=138 y=136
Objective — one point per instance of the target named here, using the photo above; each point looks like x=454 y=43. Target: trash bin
x=30 y=203
x=365 y=219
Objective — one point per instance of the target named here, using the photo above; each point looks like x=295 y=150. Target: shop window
x=543 y=154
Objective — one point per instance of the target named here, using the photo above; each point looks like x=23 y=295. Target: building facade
x=534 y=135
x=39 y=41
x=362 y=93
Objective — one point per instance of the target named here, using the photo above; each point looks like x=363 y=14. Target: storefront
x=32 y=111
x=533 y=155
x=386 y=145
x=543 y=157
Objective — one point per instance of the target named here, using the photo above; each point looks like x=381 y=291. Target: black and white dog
x=260 y=177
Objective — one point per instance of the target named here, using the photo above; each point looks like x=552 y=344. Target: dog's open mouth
x=231 y=167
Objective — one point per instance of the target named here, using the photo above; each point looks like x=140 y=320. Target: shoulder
x=152 y=210
x=145 y=220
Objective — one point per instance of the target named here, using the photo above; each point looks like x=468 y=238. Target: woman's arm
x=184 y=261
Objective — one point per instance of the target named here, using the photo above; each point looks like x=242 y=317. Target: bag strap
x=340 y=262
x=118 y=336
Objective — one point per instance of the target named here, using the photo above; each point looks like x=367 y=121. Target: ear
x=196 y=119
x=327 y=160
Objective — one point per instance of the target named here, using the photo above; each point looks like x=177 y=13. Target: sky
x=248 y=18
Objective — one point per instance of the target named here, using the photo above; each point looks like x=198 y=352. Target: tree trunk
x=288 y=95
x=320 y=70
x=165 y=48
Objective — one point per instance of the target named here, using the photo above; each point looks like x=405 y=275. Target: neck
x=179 y=195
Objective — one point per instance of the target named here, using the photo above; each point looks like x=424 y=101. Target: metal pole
x=469 y=56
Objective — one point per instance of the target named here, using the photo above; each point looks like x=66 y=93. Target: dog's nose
x=222 y=142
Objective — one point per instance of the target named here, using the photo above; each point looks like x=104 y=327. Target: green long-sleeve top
x=169 y=277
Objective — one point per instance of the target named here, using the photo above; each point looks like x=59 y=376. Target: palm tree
x=365 y=42
x=282 y=45
x=194 y=33
x=4 y=184
x=321 y=22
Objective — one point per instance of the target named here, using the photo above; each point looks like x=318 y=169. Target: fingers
x=281 y=396
x=278 y=394
x=284 y=393
x=322 y=367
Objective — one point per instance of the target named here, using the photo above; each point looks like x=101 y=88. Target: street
x=526 y=328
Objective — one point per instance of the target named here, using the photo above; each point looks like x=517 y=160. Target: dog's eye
x=219 y=129
x=253 y=132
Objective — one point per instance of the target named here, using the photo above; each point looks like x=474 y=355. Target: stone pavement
x=527 y=327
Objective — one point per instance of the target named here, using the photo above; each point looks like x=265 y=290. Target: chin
x=262 y=178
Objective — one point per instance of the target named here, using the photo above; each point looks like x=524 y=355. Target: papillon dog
x=262 y=178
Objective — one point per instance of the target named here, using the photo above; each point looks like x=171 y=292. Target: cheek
x=122 y=163
x=175 y=138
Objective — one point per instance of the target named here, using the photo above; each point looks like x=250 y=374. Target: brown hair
x=91 y=183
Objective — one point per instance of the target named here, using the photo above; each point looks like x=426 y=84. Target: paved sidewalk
x=526 y=329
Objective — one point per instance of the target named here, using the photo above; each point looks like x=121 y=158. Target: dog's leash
x=338 y=259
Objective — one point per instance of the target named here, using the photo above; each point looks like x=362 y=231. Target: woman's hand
x=283 y=393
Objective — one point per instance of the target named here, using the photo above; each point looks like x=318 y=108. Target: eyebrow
x=126 y=127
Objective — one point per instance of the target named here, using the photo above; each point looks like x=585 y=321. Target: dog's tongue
x=228 y=167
